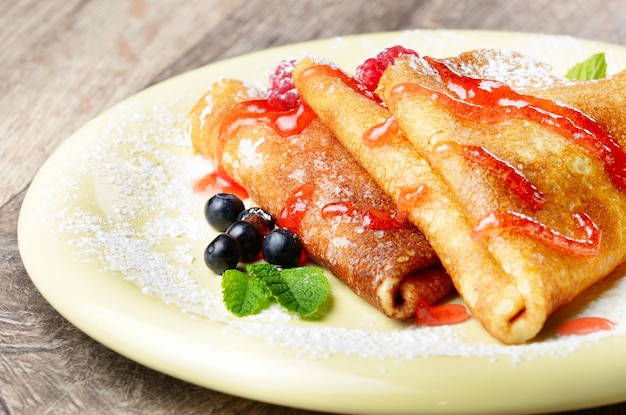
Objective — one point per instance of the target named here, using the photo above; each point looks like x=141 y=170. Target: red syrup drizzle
x=440 y=315
x=374 y=219
x=219 y=182
x=514 y=179
x=383 y=133
x=499 y=221
x=492 y=101
x=285 y=122
x=585 y=325
x=296 y=206
x=412 y=197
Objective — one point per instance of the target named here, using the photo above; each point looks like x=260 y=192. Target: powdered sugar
x=126 y=206
x=141 y=221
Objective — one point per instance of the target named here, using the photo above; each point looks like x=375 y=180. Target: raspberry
x=370 y=71
x=282 y=93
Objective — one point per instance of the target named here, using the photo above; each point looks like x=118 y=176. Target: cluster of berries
x=370 y=71
x=282 y=93
x=247 y=235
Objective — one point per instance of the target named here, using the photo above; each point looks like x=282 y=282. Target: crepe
x=292 y=165
x=489 y=186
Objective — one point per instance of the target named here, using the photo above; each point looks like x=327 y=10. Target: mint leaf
x=593 y=67
x=299 y=290
x=243 y=295
x=309 y=287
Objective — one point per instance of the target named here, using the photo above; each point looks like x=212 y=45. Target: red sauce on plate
x=585 y=325
x=219 y=182
x=439 y=315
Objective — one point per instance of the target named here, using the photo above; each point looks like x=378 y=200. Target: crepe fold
x=522 y=217
x=314 y=186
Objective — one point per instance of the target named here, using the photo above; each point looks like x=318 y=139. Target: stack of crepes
x=516 y=179
x=291 y=165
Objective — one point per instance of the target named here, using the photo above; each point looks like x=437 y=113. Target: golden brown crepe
x=380 y=256
x=482 y=177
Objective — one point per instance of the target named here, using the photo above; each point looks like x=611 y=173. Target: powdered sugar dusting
x=518 y=70
x=136 y=217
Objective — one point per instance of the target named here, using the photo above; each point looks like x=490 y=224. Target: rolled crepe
x=489 y=187
x=292 y=165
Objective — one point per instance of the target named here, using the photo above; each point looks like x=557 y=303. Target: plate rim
x=206 y=377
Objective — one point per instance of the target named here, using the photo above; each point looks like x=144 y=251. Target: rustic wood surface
x=62 y=62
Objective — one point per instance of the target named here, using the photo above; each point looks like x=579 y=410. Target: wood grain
x=62 y=62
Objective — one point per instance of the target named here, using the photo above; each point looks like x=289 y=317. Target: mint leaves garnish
x=243 y=295
x=593 y=67
x=299 y=290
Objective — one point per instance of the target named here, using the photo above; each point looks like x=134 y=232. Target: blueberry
x=222 y=210
x=223 y=253
x=259 y=217
x=249 y=237
x=282 y=248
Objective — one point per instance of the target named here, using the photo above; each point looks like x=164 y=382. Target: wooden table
x=62 y=62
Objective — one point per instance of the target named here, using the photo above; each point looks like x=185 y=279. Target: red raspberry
x=282 y=93
x=370 y=71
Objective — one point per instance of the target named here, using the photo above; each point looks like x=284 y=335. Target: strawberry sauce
x=499 y=221
x=218 y=182
x=412 y=197
x=374 y=219
x=285 y=122
x=440 y=315
x=585 y=325
x=491 y=101
x=296 y=206
x=383 y=133
x=514 y=179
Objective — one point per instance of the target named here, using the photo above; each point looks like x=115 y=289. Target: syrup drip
x=412 y=197
x=219 y=182
x=383 y=133
x=286 y=123
x=439 y=315
x=514 y=179
x=585 y=325
x=296 y=206
x=355 y=84
x=498 y=222
x=374 y=219
x=491 y=101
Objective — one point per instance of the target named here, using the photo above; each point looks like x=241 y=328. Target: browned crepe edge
x=545 y=279
x=375 y=274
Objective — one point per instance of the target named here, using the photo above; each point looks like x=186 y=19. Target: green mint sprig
x=591 y=68
x=242 y=294
x=301 y=291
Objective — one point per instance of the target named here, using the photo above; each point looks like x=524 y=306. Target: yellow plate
x=112 y=235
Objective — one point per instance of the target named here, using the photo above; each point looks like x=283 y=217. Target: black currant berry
x=222 y=210
x=249 y=237
x=223 y=253
x=259 y=217
x=282 y=248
